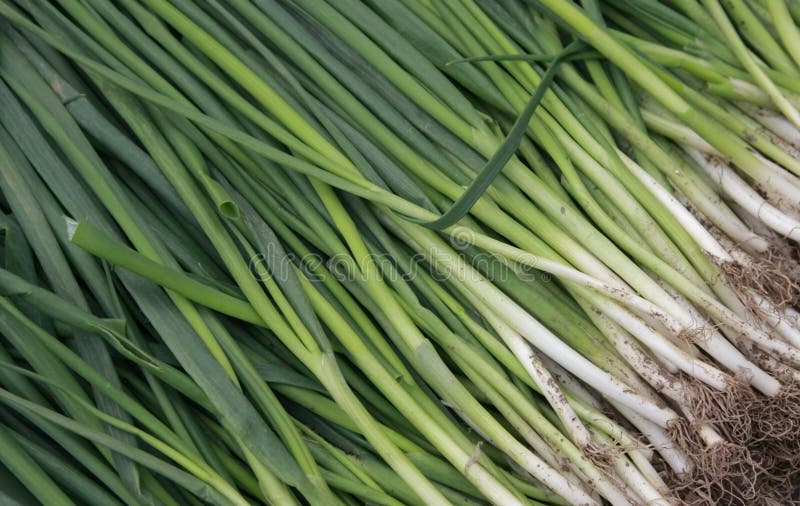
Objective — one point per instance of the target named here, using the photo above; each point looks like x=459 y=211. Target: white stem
x=649 y=472
x=698 y=232
x=537 y=334
x=660 y=346
x=714 y=343
x=738 y=190
x=551 y=391
x=667 y=387
x=792 y=317
x=753 y=222
x=573 y=386
x=541 y=377
x=693 y=315
x=776 y=319
x=532 y=464
x=638 y=483
x=598 y=420
x=647 y=493
x=777 y=124
x=710 y=436
x=658 y=438
x=787 y=195
x=537 y=443
x=763 y=340
x=776 y=368
x=723 y=217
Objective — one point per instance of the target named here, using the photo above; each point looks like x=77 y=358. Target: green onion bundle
x=429 y=252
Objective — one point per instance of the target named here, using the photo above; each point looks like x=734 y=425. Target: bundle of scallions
x=425 y=252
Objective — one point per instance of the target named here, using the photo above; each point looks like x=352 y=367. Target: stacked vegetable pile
x=430 y=252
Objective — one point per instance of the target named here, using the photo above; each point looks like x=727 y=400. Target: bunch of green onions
x=429 y=252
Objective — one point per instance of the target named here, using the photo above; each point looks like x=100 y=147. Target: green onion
x=399 y=252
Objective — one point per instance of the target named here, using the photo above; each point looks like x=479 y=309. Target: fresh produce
x=427 y=252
